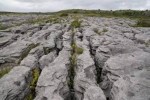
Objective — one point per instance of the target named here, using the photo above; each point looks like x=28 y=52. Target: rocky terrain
x=87 y=58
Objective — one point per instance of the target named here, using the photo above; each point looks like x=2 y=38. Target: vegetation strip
x=35 y=75
x=73 y=63
x=73 y=60
x=4 y=71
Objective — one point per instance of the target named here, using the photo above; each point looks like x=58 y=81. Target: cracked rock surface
x=103 y=59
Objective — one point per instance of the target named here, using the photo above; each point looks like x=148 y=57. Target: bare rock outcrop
x=52 y=83
x=94 y=58
x=15 y=85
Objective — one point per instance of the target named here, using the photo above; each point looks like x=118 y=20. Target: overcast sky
x=55 y=5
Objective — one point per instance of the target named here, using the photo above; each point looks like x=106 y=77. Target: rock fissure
x=98 y=69
x=35 y=75
x=71 y=70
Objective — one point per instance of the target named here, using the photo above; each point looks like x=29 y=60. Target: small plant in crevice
x=73 y=63
x=105 y=30
x=147 y=44
x=75 y=24
x=72 y=66
x=100 y=32
x=26 y=51
x=76 y=49
x=35 y=75
x=79 y=50
x=4 y=71
x=71 y=71
x=46 y=50
x=96 y=31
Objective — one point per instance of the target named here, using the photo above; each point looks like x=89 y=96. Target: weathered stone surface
x=143 y=37
x=47 y=59
x=125 y=64
x=52 y=83
x=21 y=29
x=67 y=40
x=94 y=93
x=15 y=85
x=40 y=36
x=85 y=78
x=30 y=61
x=131 y=88
x=6 y=39
x=13 y=51
x=122 y=65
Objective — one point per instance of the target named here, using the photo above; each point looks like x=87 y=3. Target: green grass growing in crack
x=96 y=31
x=47 y=50
x=76 y=49
x=73 y=58
x=100 y=32
x=105 y=30
x=76 y=24
x=4 y=71
x=73 y=63
x=79 y=50
x=35 y=75
x=147 y=44
x=26 y=51
x=71 y=72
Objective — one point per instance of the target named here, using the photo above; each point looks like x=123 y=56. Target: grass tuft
x=98 y=32
x=4 y=71
x=35 y=75
x=76 y=49
x=147 y=44
x=79 y=50
x=47 y=50
x=105 y=30
x=75 y=24
x=71 y=72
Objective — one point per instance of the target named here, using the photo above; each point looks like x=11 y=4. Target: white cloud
x=55 y=5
